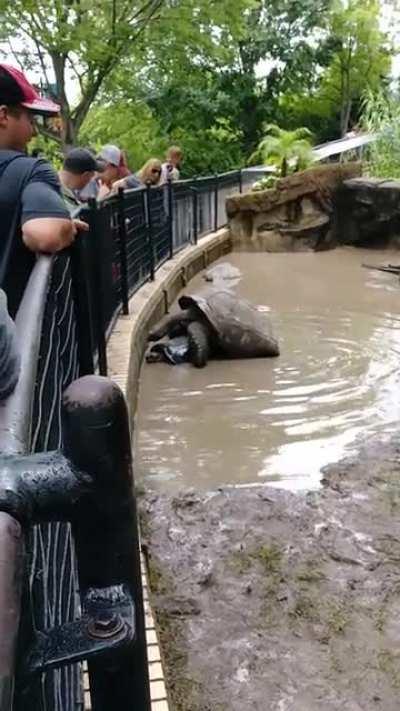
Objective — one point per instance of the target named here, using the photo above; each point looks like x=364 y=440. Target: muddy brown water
x=280 y=421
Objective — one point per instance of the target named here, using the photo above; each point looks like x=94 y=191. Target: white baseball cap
x=110 y=154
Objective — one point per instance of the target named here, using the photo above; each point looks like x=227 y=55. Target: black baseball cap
x=80 y=160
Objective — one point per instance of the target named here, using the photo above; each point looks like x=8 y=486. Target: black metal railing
x=81 y=593
x=131 y=235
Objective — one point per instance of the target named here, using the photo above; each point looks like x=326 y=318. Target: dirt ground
x=271 y=601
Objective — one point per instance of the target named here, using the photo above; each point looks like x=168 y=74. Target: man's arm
x=46 y=223
x=50 y=234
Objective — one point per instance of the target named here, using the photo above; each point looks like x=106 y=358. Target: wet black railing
x=69 y=553
x=131 y=235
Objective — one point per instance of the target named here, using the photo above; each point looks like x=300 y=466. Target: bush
x=381 y=116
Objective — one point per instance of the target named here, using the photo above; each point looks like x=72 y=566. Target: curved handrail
x=16 y=411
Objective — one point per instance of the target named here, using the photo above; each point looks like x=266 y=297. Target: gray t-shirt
x=9 y=355
x=29 y=189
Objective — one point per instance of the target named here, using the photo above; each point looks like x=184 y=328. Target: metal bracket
x=89 y=482
x=107 y=625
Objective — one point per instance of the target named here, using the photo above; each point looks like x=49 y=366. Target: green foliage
x=361 y=58
x=47 y=148
x=288 y=150
x=206 y=74
x=269 y=181
x=211 y=150
x=129 y=125
x=311 y=110
x=80 y=37
x=354 y=57
x=91 y=41
x=381 y=116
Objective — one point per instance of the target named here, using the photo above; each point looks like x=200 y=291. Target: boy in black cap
x=78 y=176
x=33 y=215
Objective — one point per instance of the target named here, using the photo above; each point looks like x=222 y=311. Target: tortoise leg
x=199 y=346
x=169 y=326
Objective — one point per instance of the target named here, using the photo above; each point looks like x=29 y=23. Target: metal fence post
x=11 y=558
x=80 y=273
x=150 y=230
x=96 y=253
x=123 y=253
x=240 y=181
x=97 y=441
x=195 y=213
x=216 y=204
x=171 y=217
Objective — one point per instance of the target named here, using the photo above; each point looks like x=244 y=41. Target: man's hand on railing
x=51 y=234
x=80 y=226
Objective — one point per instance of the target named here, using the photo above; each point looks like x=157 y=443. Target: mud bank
x=272 y=601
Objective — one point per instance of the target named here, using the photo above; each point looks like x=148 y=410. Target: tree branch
x=15 y=55
x=42 y=62
x=77 y=74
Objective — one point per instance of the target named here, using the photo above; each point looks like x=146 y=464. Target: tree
x=91 y=40
x=79 y=37
x=276 y=53
x=381 y=116
x=241 y=79
x=361 y=59
x=289 y=150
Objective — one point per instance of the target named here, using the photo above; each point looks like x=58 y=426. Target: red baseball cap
x=16 y=89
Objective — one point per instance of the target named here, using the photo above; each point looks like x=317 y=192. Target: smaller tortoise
x=216 y=323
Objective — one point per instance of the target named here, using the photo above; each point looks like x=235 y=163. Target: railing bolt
x=105 y=627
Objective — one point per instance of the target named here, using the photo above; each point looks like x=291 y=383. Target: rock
x=296 y=215
x=223 y=272
x=323 y=178
x=367 y=211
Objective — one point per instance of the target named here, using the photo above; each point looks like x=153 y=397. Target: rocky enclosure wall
x=298 y=214
x=367 y=211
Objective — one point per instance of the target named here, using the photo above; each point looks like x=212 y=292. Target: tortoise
x=215 y=323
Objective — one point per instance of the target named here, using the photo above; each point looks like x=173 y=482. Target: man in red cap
x=33 y=215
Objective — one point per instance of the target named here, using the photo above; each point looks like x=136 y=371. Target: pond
x=281 y=420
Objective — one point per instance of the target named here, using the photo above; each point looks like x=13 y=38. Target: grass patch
x=380 y=618
x=268 y=556
x=331 y=614
x=309 y=573
x=186 y=692
x=389 y=664
x=336 y=616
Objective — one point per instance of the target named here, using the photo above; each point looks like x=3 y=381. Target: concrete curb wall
x=126 y=348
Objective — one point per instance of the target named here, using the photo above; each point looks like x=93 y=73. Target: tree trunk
x=68 y=134
x=345 y=117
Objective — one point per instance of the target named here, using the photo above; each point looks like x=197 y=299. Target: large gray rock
x=367 y=211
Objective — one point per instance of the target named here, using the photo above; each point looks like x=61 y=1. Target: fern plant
x=290 y=151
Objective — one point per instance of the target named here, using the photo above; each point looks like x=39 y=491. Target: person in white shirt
x=170 y=169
